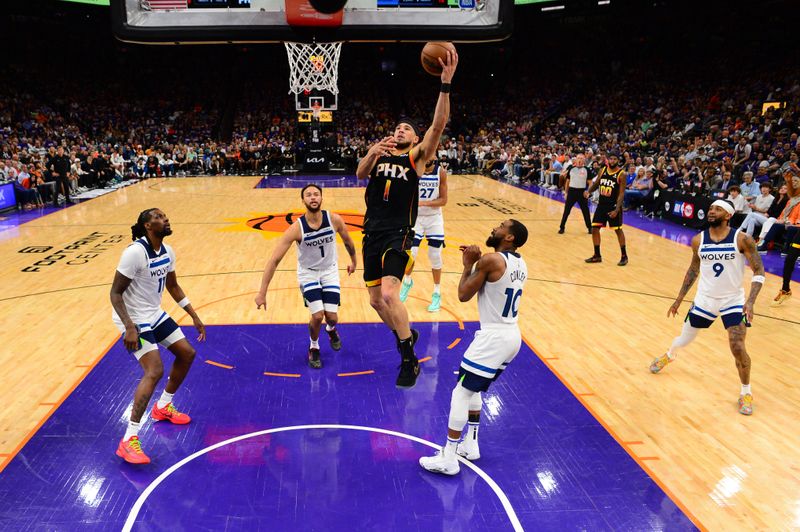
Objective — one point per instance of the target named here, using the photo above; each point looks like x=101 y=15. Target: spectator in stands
x=60 y=166
x=750 y=188
x=789 y=217
x=639 y=189
x=759 y=208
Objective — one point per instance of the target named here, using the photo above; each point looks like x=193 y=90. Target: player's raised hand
x=383 y=147
x=201 y=329
x=449 y=66
x=673 y=309
x=261 y=300
x=470 y=255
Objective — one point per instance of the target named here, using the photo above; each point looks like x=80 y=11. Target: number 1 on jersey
x=161 y=283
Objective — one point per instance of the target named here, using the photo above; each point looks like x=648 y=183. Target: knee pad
x=435 y=256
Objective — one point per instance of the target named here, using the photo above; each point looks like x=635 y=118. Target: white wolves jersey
x=721 y=266
x=498 y=302
x=428 y=191
x=317 y=247
x=147 y=269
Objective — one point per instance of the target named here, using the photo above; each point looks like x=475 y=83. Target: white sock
x=472 y=431
x=315 y=344
x=132 y=430
x=436 y=289
x=329 y=328
x=450 y=448
x=165 y=399
x=745 y=389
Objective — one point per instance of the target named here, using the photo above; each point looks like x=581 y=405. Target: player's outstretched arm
x=748 y=246
x=292 y=234
x=427 y=148
x=593 y=186
x=379 y=149
x=341 y=228
x=180 y=298
x=691 y=275
x=118 y=287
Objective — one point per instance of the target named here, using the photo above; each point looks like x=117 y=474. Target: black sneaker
x=560 y=230
x=336 y=342
x=623 y=261
x=313 y=358
x=409 y=371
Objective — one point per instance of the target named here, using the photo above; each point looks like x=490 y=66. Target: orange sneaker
x=131 y=451
x=170 y=413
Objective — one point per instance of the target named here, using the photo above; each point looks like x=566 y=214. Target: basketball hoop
x=313 y=66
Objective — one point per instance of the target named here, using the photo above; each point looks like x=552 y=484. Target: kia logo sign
x=315 y=160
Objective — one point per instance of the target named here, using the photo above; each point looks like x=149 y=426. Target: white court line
x=134 y=513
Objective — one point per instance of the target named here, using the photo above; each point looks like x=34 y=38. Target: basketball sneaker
x=660 y=363
x=313 y=358
x=405 y=288
x=623 y=261
x=746 y=404
x=414 y=338
x=438 y=463
x=436 y=303
x=593 y=259
x=131 y=451
x=409 y=371
x=468 y=449
x=336 y=342
x=782 y=297
x=170 y=413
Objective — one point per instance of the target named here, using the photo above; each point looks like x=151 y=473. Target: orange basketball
x=431 y=54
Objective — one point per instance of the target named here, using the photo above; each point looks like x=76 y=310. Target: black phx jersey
x=609 y=186
x=392 y=194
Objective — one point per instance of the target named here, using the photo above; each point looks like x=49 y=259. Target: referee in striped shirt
x=576 y=176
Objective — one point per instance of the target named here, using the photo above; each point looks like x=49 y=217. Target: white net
x=313 y=66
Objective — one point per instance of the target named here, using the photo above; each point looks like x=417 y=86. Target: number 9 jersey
x=721 y=266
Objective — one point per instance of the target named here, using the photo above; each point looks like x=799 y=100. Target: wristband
x=183 y=303
x=445 y=88
x=759 y=279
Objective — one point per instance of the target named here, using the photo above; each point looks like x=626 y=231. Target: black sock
x=597 y=251
x=622 y=249
x=475 y=418
x=406 y=348
x=788 y=266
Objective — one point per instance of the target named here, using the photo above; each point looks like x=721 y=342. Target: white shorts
x=320 y=288
x=490 y=352
x=430 y=227
x=164 y=332
x=706 y=309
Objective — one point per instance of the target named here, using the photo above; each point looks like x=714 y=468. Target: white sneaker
x=439 y=464
x=468 y=450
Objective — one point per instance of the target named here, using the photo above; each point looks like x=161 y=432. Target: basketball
x=431 y=54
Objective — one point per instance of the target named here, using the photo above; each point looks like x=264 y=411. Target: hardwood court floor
x=597 y=327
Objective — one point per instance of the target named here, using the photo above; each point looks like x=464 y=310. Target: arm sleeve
x=132 y=261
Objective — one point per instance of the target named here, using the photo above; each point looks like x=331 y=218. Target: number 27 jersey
x=498 y=301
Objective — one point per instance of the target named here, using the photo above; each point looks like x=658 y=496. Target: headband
x=724 y=205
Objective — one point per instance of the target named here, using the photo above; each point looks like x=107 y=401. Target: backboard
x=265 y=21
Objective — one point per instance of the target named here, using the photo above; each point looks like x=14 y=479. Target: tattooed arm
x=748 y=246
x=691 y=275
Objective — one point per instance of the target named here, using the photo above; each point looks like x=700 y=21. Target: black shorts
x=601 y=217
x=474 y=382
x=387 y=253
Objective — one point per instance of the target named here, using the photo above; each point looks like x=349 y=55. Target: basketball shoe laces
x=135 y=444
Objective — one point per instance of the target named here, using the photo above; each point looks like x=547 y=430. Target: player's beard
x=493 y=242
x=165 y=231
x=313 y=209
x=716 y=222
